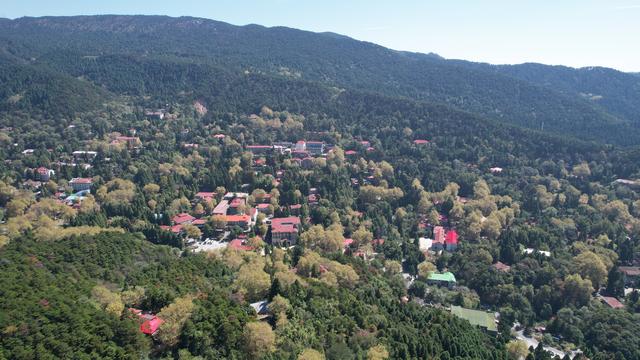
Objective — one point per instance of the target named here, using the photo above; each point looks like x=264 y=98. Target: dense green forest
x=521 y=95
x=122 y=138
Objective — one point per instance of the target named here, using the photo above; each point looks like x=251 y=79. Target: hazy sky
x=568 y=32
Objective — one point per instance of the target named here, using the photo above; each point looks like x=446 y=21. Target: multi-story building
x=81 y=184
x=315 y=147
x=284 y=231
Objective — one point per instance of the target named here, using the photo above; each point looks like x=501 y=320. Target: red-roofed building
x=350 y=152
x=420 y=142
x=284 y=231
x=235 y=205
x=438 y=238
x=81 y=184
x=221 y=208
x=176 y=229
x=290 y=220
x=182 y=218
x=150 y=327
x=630 y=274
x=612 y=302
x=301 y=145
x=295 y=209
x=199 y=222
x=240 y=245
x=242 y=221
x=205 y=196
x=219 y=136
x=136 y=312
x=284 y=235
x=263 y=208
x=43 y=174
x=501 y=266
x=347 y=242
x=237 y=202
x=451 y=241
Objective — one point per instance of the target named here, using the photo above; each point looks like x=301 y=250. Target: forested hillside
x=612 y=90
x=31 y=88
x=180 y=188
x=337 y=61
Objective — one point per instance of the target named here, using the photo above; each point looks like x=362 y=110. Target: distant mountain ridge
x=611 y=90
x=599 y=104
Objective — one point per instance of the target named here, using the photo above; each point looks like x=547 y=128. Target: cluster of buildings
x=442 y=240
x=366 y=178
x=303 y=152
x=232 y=208
x=235 y=211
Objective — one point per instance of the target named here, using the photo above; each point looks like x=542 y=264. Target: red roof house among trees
x=612 y=302
x=44 y=174
x=183 y=218
x=205 y=196
x=176 y=229
x=284 y=231
x=150 y=327
x=438 y=238
x=238 y=220
x=451 y=240
x=500 y=266
x=80 y=184
x=240 y=244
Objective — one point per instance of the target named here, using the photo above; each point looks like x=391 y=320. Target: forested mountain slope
x=33 y=88
x=334 y=60
x=59 y=300
x=614 y=91
x=149 y=167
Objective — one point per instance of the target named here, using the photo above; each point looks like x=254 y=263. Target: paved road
x=534 y=343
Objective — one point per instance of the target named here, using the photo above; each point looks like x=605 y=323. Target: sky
x=558 y=32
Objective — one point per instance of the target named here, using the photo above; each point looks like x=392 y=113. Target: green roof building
x=445 y=279
x=485 y=320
